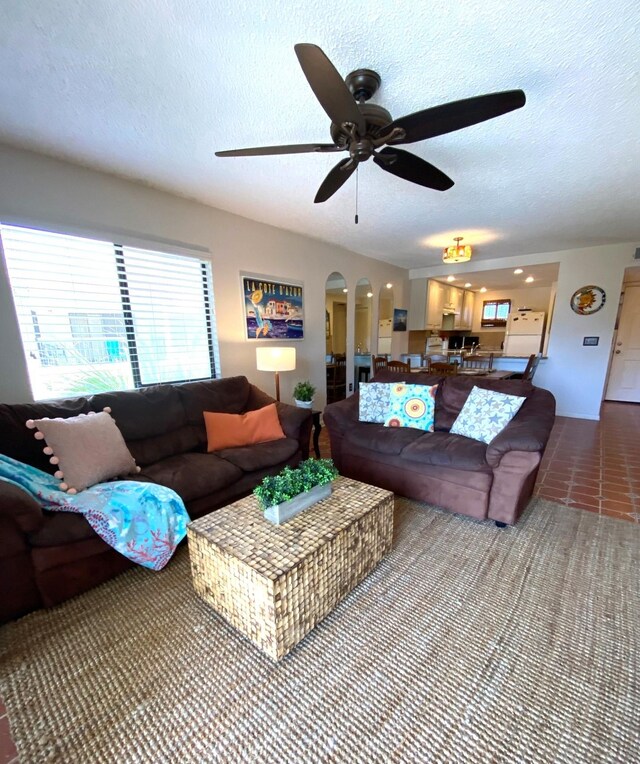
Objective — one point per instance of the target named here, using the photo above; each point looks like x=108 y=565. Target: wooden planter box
x=280 y=513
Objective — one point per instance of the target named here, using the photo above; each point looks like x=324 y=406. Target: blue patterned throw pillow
x=412 y=406
x=485 y=414
x=374 y=401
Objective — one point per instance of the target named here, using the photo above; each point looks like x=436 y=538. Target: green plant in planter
x=276 y=489
x=304 y=391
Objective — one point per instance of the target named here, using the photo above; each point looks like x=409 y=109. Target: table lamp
x=276 y=359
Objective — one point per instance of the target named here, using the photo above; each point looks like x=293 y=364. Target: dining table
x=488 y=373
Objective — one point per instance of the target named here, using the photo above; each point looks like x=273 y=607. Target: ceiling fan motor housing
x=376 y=118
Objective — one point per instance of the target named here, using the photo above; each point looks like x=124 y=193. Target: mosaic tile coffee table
x=274 y=583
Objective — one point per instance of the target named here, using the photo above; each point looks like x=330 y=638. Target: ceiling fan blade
x=334 y=180
x=300 y=148
x=329 y=87
x=456 y=115
x=410 y=167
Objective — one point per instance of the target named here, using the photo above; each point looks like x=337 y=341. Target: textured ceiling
x=149 y=89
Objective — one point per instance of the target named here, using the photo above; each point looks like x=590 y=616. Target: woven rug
x=466 y=644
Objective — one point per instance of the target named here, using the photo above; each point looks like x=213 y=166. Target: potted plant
x=284 y=495
x=303 y=394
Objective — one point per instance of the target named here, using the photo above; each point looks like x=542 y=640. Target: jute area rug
x=466 y=644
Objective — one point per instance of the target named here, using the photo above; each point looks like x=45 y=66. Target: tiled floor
x=588 y=465
x=595 y=465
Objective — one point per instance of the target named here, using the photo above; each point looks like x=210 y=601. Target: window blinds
x=97 y=316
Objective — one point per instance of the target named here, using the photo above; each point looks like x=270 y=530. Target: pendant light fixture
x=457 y=253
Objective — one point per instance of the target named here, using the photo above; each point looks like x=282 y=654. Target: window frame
x=490 y=323
x=126 y=312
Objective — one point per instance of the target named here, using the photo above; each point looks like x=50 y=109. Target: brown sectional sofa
x=47 y=557
x=463 y=475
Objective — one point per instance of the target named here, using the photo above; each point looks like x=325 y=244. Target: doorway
x=624 y=374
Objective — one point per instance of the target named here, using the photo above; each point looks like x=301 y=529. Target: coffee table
x=274 y=583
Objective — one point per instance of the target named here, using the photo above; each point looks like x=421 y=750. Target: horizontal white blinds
x=95 y=316
x=167 y=302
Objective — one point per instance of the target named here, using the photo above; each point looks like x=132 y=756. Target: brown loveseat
x=47 y=557
x=463 y=475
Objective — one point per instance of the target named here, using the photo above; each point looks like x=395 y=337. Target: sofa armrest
x=342 y=415
x=528 y=431
x=19 y=508
x=296 y=424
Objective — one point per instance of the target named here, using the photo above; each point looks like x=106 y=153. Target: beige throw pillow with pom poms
x=87 y=449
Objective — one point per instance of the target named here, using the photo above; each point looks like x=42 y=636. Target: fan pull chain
x=356 y=220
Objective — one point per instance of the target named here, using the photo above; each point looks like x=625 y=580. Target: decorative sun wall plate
x=588 y=300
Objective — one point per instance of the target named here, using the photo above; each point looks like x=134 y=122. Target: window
x=495 y=312
x=98 y=316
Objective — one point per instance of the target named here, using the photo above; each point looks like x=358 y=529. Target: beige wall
x=40 y=191
x=536 y=298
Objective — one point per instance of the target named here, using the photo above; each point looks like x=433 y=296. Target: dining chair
x=337 y=379
x=530 y=368
x=445 y=369
x=379 y=362
x=398 y=366
x=477 y=362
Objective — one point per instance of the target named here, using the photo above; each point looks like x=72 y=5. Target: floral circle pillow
x=485 y=414
x=412 y=406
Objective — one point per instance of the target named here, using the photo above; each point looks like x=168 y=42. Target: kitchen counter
x=496 y=354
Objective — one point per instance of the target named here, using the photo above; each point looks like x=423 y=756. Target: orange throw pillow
x=233 y=430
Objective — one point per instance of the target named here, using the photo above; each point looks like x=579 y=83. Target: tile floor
x=593 y=466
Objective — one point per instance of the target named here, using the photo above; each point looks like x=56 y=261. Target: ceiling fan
x=363 y=128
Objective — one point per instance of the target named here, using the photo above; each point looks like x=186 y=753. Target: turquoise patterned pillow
x=412 y=406
x=485 y=414
x=374 y=401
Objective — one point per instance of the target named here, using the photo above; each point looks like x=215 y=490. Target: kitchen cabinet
x=453 y=300
x=435 y=305
x=465 y=319
x=430 y=299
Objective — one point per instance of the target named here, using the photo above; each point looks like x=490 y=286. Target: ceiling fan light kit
x=457 y=253
x=363 y=128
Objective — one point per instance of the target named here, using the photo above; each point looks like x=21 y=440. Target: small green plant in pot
x=282 y=496
x=303 y=394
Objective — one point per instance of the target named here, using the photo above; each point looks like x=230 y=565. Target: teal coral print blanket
x=143 y=521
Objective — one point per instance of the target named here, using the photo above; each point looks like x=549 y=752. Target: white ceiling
x=149 y=89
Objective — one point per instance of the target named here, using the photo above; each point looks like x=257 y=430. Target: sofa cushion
x=229 y=394
x=374 y=401
x=61 y=528
x=144 y=413
x=377 y=437
x=180 y=441
x=486 y=413
x=87 y=449
x=454 y=391
x=237 y=430
x=193 y=475
x=443 y=449
x=260 y=456
x=18 y=442
x=412 y=406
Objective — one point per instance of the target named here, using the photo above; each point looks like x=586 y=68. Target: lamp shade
x=275 y=359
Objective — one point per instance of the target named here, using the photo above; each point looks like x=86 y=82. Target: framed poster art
x=273 y=308
x=399 y=320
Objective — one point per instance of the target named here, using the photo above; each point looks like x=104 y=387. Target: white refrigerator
x=525 y=329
